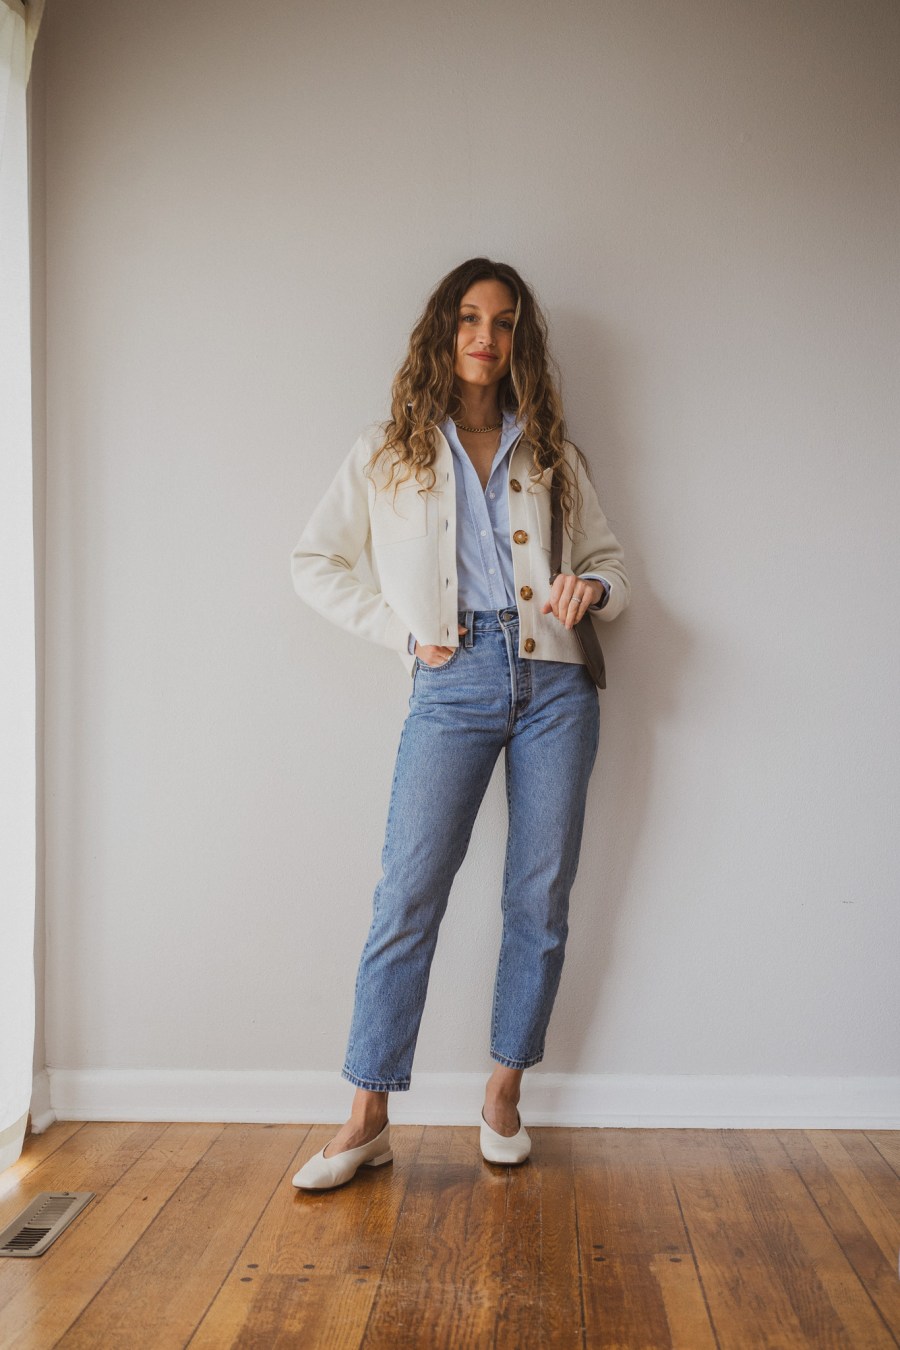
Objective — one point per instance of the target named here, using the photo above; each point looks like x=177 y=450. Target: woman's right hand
x=436 y=656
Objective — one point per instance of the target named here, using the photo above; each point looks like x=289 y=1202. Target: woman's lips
x=482 y=356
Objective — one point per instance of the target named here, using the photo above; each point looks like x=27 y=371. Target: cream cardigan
x=412 y=550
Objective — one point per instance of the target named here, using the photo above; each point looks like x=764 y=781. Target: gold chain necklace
x=462 y=427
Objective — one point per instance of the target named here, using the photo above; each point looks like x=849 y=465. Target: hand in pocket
x=431 y=655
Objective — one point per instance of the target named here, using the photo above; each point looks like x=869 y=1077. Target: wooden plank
x=758 y=1240
x=640 y=1281
x=868 y=1181
x=737 y=1267
x=35 y=1150
x=887 y=1142
x=438 y=1286
x=539 y=1302
x=829 y=1301
x=158 y=1294
x=857 y=1193
x=134 y=1169
x=308 y=1273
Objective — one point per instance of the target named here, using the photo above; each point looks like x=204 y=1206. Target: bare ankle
x=369 y=1107
x=505 y=1084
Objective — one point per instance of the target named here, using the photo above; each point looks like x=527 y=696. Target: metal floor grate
x=41 y=1223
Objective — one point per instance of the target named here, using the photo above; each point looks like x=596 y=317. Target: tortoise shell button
x=529 y=644
x=515 y=485
x=526 y=592
x=521 y=537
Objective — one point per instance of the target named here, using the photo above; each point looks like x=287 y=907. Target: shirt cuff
x=411 y=645
x=607 y=587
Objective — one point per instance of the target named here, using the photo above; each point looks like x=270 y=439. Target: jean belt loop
x=470 y=627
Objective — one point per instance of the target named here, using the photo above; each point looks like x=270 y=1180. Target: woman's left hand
x=570 y=597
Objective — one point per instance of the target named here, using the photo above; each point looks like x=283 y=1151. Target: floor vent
x=31 y=1233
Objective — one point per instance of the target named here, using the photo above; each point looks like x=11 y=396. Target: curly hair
x=424 y=391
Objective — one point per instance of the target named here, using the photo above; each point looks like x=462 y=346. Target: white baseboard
x=570 y=1100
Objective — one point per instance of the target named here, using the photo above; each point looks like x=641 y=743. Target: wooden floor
x=616 y=1238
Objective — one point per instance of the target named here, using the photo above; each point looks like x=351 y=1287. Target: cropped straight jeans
x=546 y=715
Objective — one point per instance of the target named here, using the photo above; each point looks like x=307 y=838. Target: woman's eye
x=504 y=323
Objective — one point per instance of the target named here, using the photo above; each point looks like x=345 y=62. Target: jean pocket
x=454 y=656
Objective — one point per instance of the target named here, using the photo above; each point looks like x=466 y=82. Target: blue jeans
x=546 y=714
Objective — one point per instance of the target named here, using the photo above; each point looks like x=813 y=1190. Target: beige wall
x=245 y=210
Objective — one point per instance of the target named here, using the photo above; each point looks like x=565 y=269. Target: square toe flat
x=319 y=1173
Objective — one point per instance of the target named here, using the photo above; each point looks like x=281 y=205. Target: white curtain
x=18 y=29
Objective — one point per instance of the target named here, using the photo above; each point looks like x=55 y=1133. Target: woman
x=452 y=495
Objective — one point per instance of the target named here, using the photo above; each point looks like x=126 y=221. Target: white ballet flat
x=504 y=1148
x=319 y=1172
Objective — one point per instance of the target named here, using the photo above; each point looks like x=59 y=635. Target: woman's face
x=484 y=333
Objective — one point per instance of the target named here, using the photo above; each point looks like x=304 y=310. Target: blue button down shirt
x=483 y=550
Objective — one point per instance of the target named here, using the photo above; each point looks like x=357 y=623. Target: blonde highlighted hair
x=424 y=391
